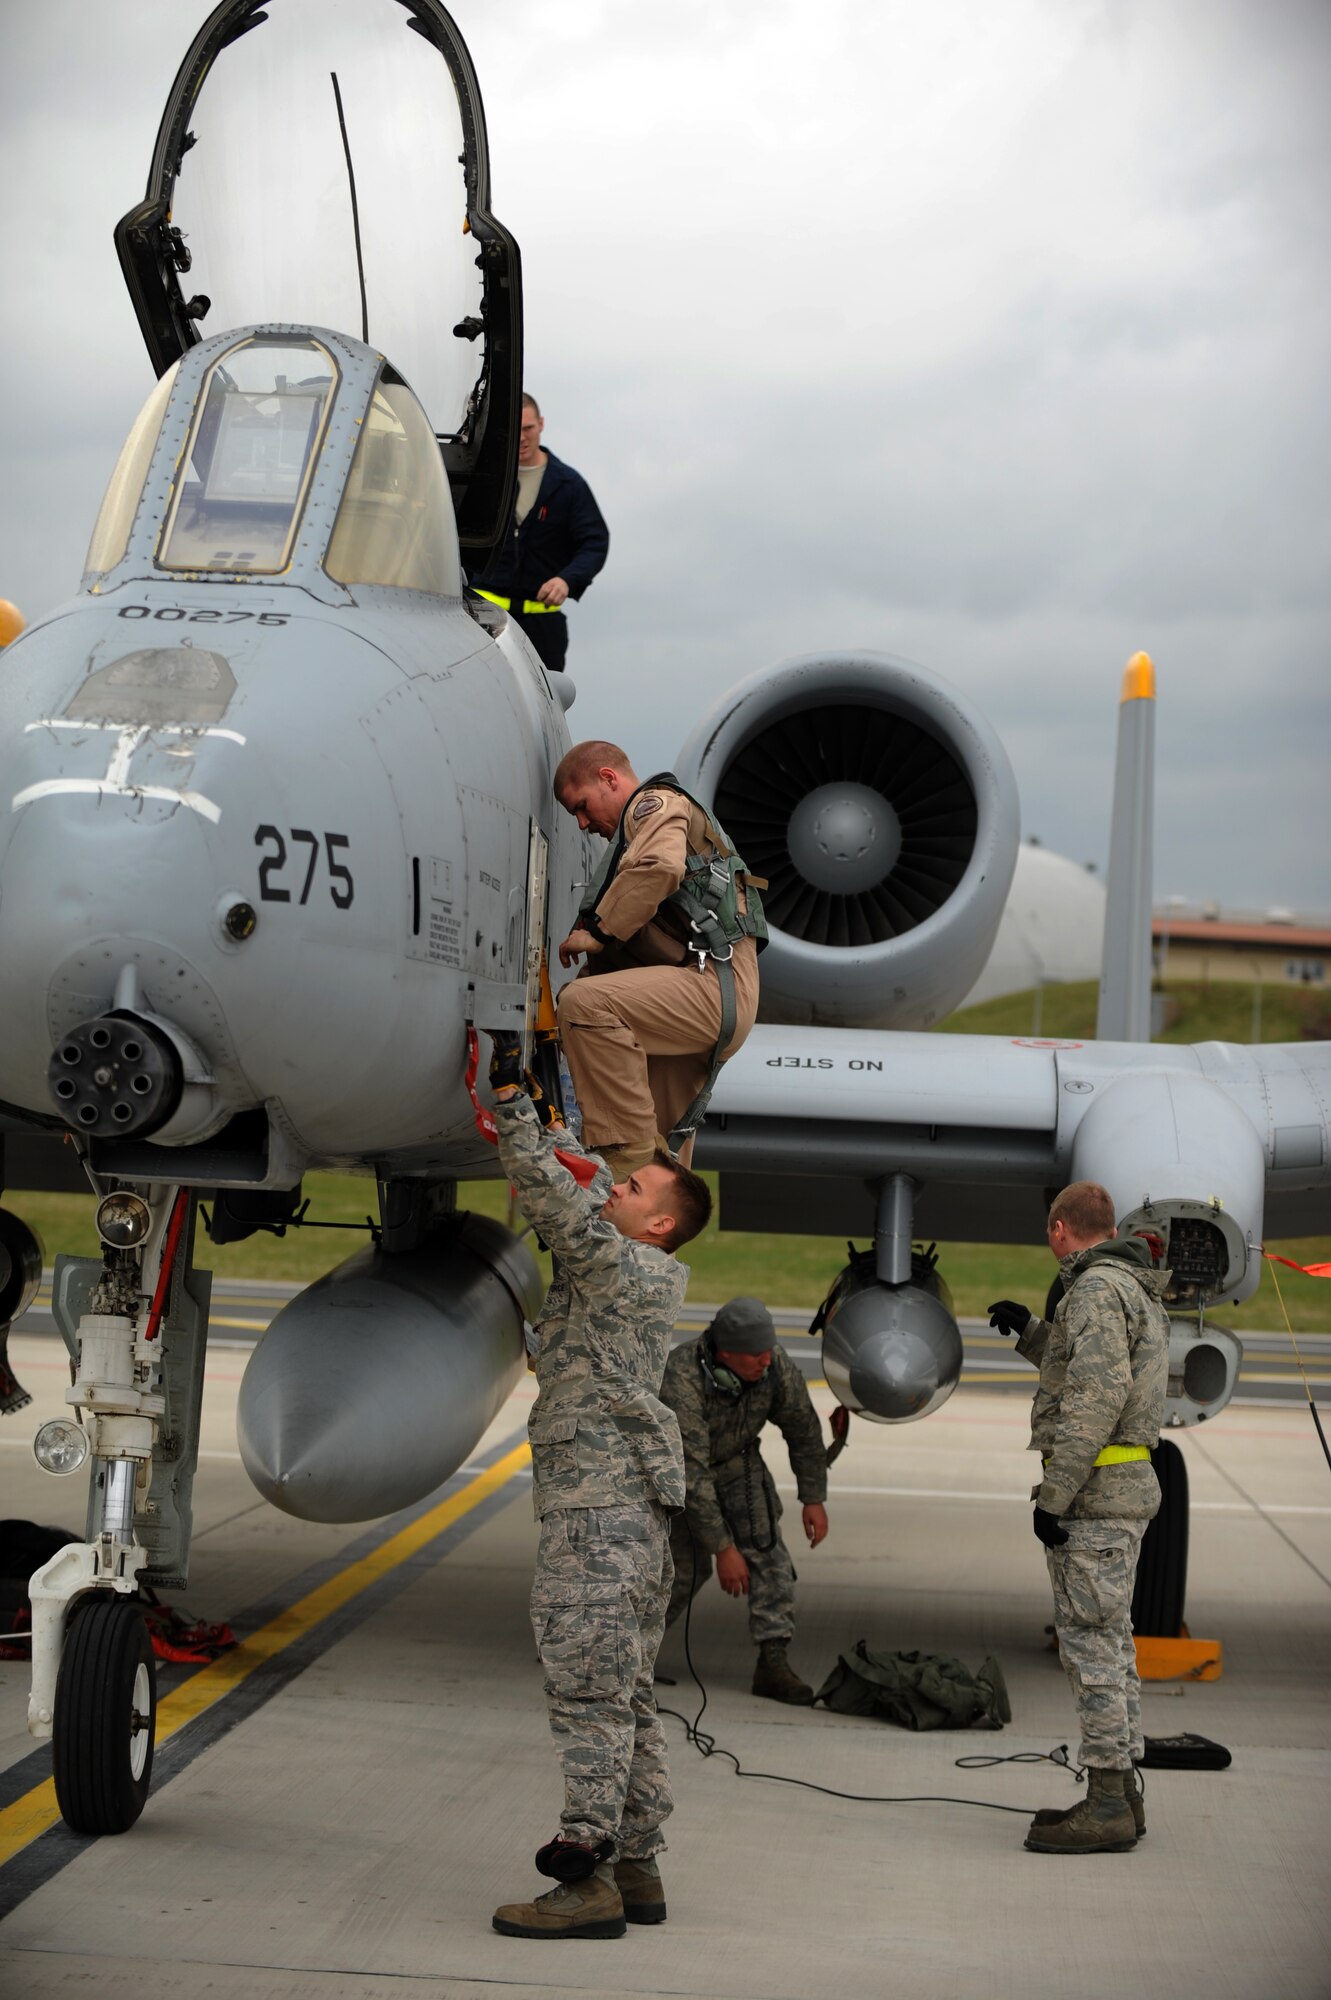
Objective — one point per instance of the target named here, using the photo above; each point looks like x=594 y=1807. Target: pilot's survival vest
x=708 y=901
x=708 y=897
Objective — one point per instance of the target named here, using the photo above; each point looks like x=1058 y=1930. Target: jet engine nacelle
x=1185 y=1169
x=373 y=1386
x=1181 y=1162
x=881 y=808
x=891 y=1352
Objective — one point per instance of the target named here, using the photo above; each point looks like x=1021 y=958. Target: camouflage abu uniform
x=730 y=1495
x=1104 y=1366
x=606 y=1464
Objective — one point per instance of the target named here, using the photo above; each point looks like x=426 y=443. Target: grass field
x=796 y=1270
x=1198 y=1013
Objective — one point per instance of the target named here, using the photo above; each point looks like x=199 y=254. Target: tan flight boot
x=588 y=1909
x=1132 y=1791
x=776 y=1678
x=640 y=1886
x=1101 y=1823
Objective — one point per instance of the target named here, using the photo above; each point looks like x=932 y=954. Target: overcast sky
x=994 y=336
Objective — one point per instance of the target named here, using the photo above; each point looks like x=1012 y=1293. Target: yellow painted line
x=254 y=1325
x=32 y=1815
x=1314 y=1381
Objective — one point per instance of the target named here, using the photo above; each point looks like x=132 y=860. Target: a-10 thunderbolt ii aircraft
x=277 y=828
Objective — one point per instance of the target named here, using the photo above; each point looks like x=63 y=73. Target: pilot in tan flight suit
x=670 y=933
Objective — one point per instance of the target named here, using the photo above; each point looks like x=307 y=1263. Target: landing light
x=123 y=1220
x=60 y=1446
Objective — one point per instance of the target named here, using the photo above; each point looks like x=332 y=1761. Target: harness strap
x=697 y=1111
x=707 y=878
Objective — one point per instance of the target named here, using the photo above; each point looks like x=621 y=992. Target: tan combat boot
x=588 y=1909
x=776 y=1678
x=1101 y=1823
x=640 y=1886
x=1132 y=1791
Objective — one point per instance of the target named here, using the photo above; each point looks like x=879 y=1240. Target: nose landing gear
x=93 y=1670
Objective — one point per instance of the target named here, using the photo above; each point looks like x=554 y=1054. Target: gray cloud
x=994 y=338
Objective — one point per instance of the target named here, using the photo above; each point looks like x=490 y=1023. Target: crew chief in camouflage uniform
x=724 y=1388
x=1104 y=1367
x=606 y=1465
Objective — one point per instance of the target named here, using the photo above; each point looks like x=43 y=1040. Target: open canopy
x=324 y=162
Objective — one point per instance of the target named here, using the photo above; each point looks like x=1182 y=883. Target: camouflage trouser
x=1093 y=1578
x=598 y=1611
x=771 y=1572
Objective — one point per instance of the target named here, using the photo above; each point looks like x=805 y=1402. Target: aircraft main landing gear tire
x=105 y=1716
x=1162 y=1568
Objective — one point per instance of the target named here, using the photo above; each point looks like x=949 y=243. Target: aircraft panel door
x=495 y=946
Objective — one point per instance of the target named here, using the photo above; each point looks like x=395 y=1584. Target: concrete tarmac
x=341 y=1801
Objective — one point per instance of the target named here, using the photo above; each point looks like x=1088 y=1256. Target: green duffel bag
x=917 y=1690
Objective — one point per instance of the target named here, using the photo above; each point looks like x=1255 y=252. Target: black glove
x=1009 y=1316
x=550 y=1114
x=840 y=1427
x=1049 y=1529
x=506 y=1062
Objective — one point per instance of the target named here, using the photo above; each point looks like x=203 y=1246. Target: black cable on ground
x=707 y=1746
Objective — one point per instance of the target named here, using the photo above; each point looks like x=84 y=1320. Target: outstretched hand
x=1009 y=1316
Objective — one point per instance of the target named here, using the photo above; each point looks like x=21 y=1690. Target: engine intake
x=881 y=808
x=865 y=855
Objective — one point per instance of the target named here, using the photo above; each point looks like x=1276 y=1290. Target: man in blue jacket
x=557 y=544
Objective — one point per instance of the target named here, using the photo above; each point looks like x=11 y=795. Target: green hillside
x=1195 y=1012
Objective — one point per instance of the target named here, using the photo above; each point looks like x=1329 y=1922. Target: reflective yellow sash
x=1113 y=1454
x=530 y=605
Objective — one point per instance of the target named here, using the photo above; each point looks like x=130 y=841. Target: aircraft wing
x=805 y=1121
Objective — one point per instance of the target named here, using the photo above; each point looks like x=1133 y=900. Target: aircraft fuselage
x=290 y=818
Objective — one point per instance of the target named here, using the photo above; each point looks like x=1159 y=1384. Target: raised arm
x=567 y=1217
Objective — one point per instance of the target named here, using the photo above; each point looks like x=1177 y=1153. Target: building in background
x=1242 y=948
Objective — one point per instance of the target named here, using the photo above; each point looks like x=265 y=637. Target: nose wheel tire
x=105 y=1716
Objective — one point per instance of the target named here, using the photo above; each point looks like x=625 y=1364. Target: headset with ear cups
x=724 y=1380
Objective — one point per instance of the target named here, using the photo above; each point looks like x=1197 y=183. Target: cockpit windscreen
x=322 y=186
x=257 y=429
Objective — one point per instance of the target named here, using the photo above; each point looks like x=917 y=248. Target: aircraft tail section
x=1125 y=973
